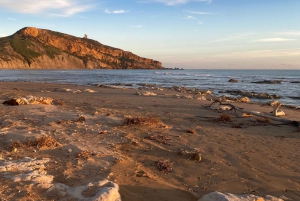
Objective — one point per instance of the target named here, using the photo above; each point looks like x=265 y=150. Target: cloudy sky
x=242 y=34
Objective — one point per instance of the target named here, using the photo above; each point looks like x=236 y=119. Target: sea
x=213 y=80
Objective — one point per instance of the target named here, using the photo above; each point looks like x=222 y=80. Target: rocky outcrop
x=44 y=49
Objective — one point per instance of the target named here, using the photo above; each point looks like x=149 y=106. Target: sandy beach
x=164 y=146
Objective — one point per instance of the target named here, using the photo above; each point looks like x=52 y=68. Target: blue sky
x=205 y=34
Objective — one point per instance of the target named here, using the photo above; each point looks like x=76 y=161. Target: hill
x=33 y=48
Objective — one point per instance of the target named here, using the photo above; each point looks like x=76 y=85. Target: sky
x=189 y=34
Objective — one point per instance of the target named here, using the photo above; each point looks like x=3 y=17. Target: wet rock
x=268 y=82
x=217 y=196
x=233 y=80
x=295 y=82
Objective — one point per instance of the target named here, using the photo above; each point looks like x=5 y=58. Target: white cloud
x=200 y=22
x=47 y=7
x=266 y=40
x=138 y=26
x=121 y=11
x=199 y=13
x=13 y=19
x=235 y=37
x=190 y=17
x=175 y=2
x=263 y=54
x=290 y=33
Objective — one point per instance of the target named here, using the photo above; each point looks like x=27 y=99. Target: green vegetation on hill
x=21 y=46
x=52 y=51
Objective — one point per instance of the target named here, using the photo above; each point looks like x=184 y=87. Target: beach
x=156 y=144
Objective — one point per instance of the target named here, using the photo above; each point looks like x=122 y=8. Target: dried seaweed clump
x=159 y=139
x=164 y=166
x=16 y=144
x=224 y=118
x=148 y=121
x=44 y=141
x=85 y=154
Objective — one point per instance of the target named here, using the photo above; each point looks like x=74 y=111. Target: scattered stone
x=103 y=132
x=196 y=157
x=217 y=196
x=193 y=131
x=70 y=150
x=81 y=119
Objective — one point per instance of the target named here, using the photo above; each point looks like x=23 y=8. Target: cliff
x=32 y=48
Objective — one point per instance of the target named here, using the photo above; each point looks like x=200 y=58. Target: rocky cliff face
x=32 y=48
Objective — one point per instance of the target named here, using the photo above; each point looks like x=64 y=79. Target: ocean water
x=214 y=80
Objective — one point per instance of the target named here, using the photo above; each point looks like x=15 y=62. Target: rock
x=196 y=157
x=201 y=98
x=11 y=102
x=233 y=80
x=68 y=90
x=272 y=103
x=146 y=93
x=243 y=100
x=295 y=82
x=107 y=191
x=208 y=92
x=81 y=119
x=295 y=97
x=27 y=169
x=29 y=100
x=89 y=91
x=217 y=196
x=268 y=82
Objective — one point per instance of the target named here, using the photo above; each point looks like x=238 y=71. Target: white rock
x=89 y=90
x=107 y=191
x=217 y=196
x=146 y=93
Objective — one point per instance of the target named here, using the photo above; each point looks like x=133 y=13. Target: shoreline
x=244 y=155
x=215 y=81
